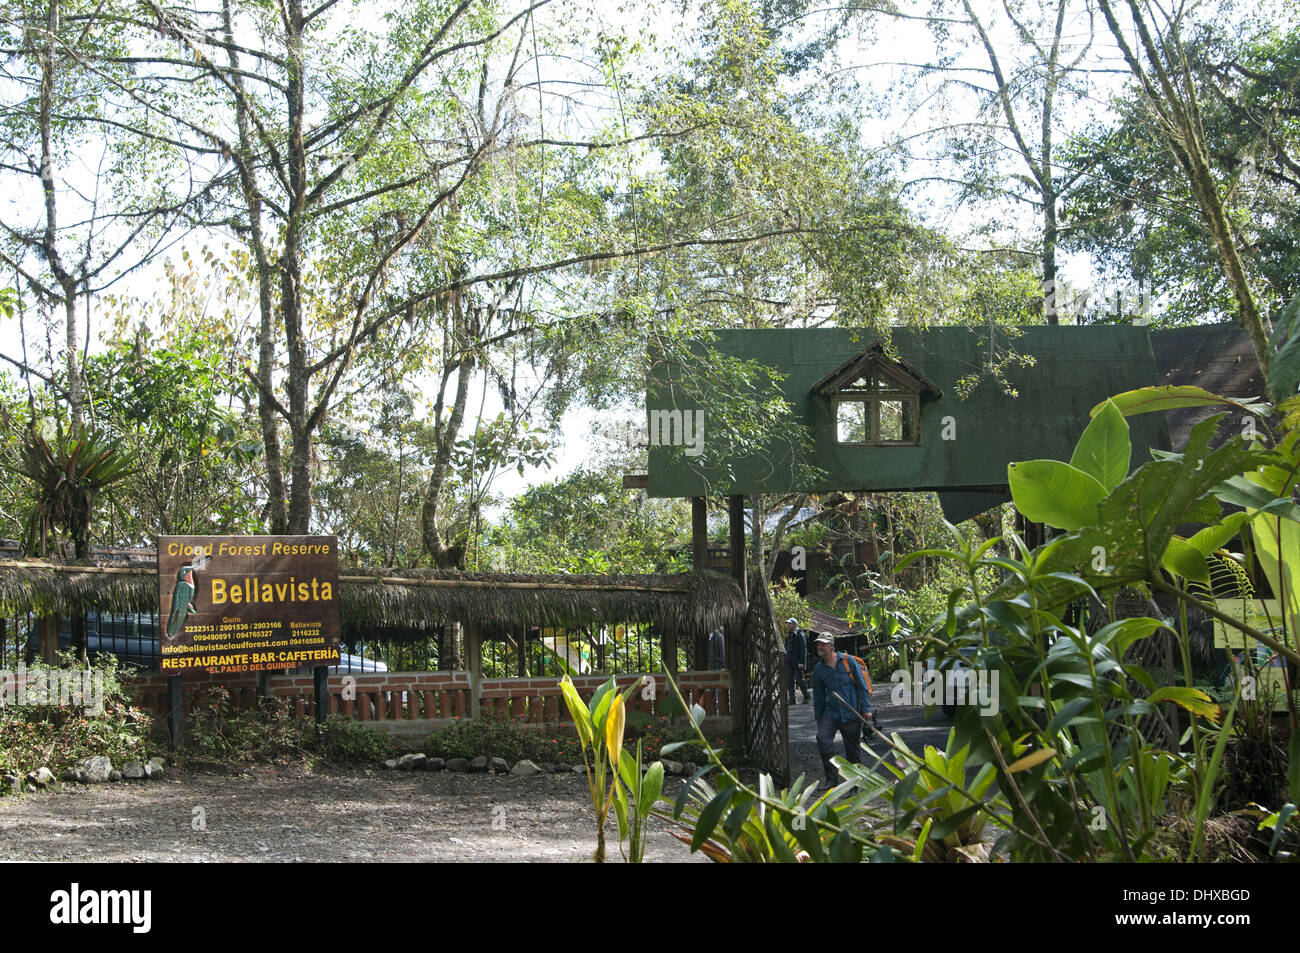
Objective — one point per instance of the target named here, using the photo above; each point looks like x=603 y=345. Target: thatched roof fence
x=408 y=598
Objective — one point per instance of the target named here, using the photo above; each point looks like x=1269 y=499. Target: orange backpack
x=862 y=666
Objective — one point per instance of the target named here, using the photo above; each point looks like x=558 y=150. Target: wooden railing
x=412 y=701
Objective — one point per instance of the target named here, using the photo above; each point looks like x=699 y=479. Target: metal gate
x=767 y=722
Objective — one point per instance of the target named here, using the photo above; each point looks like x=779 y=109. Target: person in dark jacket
x=796 y=658
x=717 y=650
x=839 y=675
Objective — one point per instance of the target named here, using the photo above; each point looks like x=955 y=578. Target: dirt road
x=335 y=815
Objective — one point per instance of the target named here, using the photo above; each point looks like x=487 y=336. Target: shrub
x=495 y=738
x=348 y=740
x=218 y=731
x=34 y=736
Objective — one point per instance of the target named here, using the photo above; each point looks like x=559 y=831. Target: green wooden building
x=902 y=415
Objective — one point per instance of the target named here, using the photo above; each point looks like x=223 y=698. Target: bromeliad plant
x=68 y=477
x=631 y=792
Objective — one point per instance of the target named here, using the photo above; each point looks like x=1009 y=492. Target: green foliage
x=219 y=732
x=174 y=405
x=68 y=478
x=883 y=613
x=787 y=603
x=631 y=792
x=34 y=736
x=1129 y=211
x=952 y=807
x=734 y=822
x=500 y=738
x=1084 y=770
x=349 y=741
x=588 y=523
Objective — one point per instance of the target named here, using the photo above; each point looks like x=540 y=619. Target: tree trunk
x=1173 y=100
x=446 y=433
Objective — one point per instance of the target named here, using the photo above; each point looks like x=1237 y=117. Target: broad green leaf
x=1284 y=367
x=1213 y=537
x=709 y=817
x=627 y=772
x=614 y=725
x=921 y=839
x=1146 y=400
x=1122 y=633
x=1067 y=713
x=949 y=824
x=674 y=745
x=844 y=850
x=1028 y=761
x=1240 y=491
x=1193 y=699
x=1104 y=449
x=577 y=710
x=1055 y=493
x=685 y=793
x=651 y=785
x=1183 y=559
x=735 y=823
x=619 y=799
x=600 y=705
x=1140 y=517
x=780 y=848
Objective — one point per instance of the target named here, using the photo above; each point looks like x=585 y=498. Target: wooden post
x=474 y=656
x=175 y=712
x=321 y=687
x=699 y=533
x=77 y=628
x=47 y=629
x=700 y=562
x=737 y=651
x=521 y=647
x=736 y=526
x=668 y=650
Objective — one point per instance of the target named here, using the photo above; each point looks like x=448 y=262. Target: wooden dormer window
x=876 y=400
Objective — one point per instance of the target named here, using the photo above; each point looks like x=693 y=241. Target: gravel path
x=290 y=815
x=294 y=815
x=909 y=721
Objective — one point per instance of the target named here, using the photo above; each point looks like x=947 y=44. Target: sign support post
x=175 y=712
x=321 y=686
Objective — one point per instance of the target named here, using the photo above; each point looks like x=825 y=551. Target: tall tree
x=1151 y=41
x=1134 y=210
x=69 y=234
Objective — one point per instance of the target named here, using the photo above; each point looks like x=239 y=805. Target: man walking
x=796 y=658
x=838 y=674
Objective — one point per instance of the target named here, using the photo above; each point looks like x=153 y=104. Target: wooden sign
x=232 y=604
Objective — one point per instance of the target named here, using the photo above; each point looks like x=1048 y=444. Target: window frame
x=873 y=401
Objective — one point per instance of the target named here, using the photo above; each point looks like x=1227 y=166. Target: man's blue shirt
x=850 y=685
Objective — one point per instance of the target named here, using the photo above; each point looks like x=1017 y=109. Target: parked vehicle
x=134 y=640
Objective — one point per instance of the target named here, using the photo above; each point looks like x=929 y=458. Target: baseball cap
x=792 y=619
x=824 y=637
